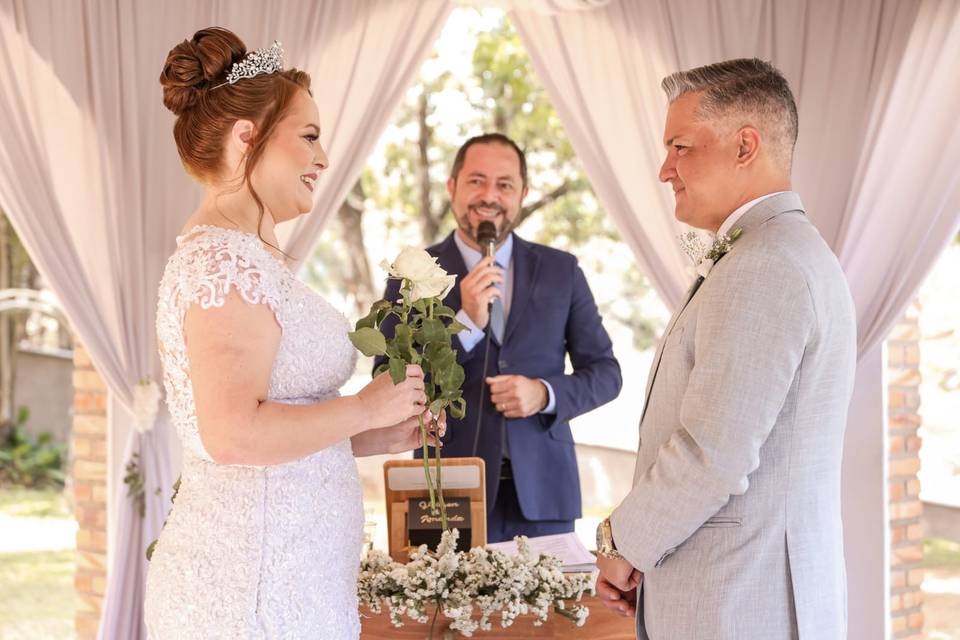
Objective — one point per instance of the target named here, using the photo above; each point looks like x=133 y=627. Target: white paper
x=566 y=546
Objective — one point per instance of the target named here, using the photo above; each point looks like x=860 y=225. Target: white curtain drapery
x=91 y=181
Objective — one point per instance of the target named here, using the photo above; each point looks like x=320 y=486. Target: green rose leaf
x=384 y=312
x=458 y=408
x=403 y=337
x=455 y=327
x=444 y=312
x=440 y=356
x=432 y=331
x=451 y=378
x=369 y=341
x=436 y=407
x=451 y=395
x=368 y=321
x=378 y=312
x=398 y=370
x=392 y=350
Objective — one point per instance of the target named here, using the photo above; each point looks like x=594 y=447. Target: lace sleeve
x=215 y=263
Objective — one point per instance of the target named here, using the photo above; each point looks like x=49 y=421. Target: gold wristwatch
x=605 y=546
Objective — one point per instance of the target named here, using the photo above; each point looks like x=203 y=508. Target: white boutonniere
x=705 y=258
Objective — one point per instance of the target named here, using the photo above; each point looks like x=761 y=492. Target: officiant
x=526 y=308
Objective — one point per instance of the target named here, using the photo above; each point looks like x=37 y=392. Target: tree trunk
x=429 y=221
x=357 y=275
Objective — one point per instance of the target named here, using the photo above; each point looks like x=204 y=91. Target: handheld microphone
x=487 y=239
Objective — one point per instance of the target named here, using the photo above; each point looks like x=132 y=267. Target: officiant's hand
x=517 y=396
x=617 y=585
x=398 y=438
x=477 y=290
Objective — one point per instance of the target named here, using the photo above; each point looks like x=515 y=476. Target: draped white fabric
x=877 y=164
x=90 y=178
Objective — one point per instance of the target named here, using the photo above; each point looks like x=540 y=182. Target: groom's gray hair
x=746 y=91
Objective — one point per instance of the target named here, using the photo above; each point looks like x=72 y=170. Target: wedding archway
x=86 y=163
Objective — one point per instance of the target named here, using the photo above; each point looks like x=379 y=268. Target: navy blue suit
x=552 y=314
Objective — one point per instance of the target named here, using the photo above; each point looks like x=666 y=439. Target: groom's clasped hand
x=617 y=585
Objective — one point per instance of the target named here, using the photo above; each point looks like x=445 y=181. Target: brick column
x=89 y=469
x=906 y=532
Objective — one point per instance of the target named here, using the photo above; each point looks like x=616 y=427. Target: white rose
x=427 y=279
x=437 y=286
x=412 y=264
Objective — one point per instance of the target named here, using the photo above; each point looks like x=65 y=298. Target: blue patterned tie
x=497 y=319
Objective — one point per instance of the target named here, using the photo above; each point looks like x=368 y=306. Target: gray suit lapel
x=757 y=215
x=659 y=354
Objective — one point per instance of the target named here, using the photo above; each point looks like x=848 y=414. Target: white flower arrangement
x=146 y=404
x=460 y=583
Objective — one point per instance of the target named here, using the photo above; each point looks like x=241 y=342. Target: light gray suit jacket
x=734 y=516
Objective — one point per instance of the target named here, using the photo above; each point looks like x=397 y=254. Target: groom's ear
x=748 y=145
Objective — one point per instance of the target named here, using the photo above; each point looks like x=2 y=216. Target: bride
x=264 y=538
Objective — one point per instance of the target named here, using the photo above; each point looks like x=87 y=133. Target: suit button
x=502 y=364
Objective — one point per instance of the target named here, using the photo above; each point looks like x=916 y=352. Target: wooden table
x=602 y=624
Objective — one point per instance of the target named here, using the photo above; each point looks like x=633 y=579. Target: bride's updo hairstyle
x=195 y=88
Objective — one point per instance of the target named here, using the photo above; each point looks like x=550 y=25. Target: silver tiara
x=256 y=62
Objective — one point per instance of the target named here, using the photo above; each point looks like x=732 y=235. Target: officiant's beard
x=499 y=221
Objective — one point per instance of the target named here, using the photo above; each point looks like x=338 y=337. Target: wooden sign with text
x=425 y=528
x=406 y=489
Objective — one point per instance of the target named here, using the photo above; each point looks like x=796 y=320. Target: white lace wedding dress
x=256 y=551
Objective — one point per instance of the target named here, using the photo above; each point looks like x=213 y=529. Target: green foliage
x=940 y=553
x=27 y=461
x=423 y=336
x=37 y=595
x=21 y=502
x=136 y=491
x=515 y=103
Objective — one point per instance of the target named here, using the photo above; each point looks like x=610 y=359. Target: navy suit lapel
x=448 y=254
x=526 y=263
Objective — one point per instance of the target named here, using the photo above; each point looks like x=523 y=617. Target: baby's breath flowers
x=471 y=587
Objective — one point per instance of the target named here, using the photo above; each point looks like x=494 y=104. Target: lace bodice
x=255 y=551
x=315 y=357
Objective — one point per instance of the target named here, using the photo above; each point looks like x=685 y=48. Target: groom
x=732 y=529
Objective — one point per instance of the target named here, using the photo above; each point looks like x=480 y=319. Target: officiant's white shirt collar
x=742 y=209
x=471 y=256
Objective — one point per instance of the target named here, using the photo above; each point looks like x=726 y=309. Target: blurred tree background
x=401 y=196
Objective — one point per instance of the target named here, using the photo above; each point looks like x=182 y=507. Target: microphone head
x=486 y=233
